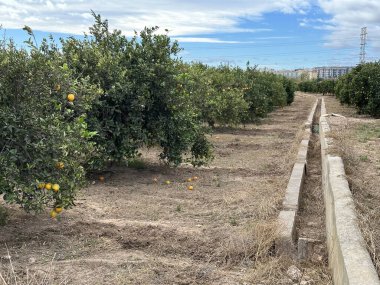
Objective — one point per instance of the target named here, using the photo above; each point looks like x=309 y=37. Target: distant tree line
x=324 y=86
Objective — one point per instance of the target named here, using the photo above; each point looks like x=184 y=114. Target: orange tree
x=366 y=88
x=324 y=86
x=43 y=136
x=360 y=88
x=327 y=86
x=216 y=92
x=141 y=104
x=344 y=89
x=290 y=87
x=265 y=92
x=308 y=86
x=230 y=96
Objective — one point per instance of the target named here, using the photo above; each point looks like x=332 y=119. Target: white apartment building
x=326 y=72
x=299 y=73
x=330 y=72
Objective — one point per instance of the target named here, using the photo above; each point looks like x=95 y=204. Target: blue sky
x=281 y=34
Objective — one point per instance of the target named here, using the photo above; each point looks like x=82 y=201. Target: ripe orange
x=53 y=214
x=48 y=186
x=59 y=165
x=167 y=182
x=58 y=209
x=190 y=187
x=71 y=97
x=101 y=178
x=41 y=185
x=189 y=180
x=55 y=187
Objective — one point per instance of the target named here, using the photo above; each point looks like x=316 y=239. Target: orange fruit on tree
x=53 y=214
x=71 y=97
x=167 y=182
x=58 y=209
x=195 y=178
x=190 y=187
x=59 y=165
x=41 y=185
x=189 y=179
x=48 y=186
x=55 y=187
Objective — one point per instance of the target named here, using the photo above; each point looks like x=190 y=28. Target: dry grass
x=273 y=271
x=250 y=244
x=9 y=275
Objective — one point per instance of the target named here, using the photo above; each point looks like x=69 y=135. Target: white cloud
x=347 y=17
x=180 y=17
x=204 y=40
x=274 y=38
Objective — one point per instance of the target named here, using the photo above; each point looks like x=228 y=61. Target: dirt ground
x=357 y=139
x=136 y=229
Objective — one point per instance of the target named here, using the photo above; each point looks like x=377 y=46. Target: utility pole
x=363 y=41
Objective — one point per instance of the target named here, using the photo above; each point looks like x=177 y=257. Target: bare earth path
x=132 y=229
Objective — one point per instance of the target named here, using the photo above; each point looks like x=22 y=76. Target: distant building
x=330 y=72
x=294 y=74
x=326 y=72
x=298 y=73
x=312 y=74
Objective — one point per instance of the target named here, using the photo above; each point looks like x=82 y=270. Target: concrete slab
x=302 y=152
x=349 y=259
x=305 y=248
x=288 y=215
x=285 y=242
x=294 y=188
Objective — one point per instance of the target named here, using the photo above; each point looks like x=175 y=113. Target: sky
x=279 y=34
